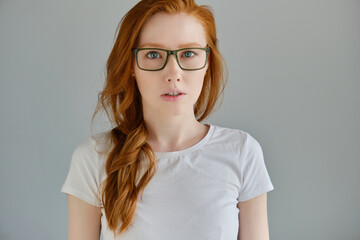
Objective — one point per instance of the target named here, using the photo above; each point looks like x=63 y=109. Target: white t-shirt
x=193 y=194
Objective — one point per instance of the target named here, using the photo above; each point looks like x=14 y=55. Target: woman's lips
x=174 y=98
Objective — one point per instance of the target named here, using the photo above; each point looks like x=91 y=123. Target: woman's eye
x=189 y=54
x=153 y=55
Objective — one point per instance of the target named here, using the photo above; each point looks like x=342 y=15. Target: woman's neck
x=174 y=133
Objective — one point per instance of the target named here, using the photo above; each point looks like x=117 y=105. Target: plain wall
x=294 y=84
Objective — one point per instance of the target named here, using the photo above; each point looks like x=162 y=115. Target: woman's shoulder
x=232 y=133
x=101 y=141
x=233 y=136
x=94 y=145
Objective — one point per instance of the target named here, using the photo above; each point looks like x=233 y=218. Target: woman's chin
x=176 y=111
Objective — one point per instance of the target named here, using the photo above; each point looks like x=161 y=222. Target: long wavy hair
x=121 y=100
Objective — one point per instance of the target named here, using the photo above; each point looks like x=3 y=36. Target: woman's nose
x=172 y=69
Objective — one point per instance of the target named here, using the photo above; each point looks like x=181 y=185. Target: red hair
x=121 y=101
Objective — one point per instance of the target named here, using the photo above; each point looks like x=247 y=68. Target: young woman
x=160 y=173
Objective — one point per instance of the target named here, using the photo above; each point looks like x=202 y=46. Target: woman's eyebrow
x=193 y=44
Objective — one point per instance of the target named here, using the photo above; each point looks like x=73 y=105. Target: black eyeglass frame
x=168 y=53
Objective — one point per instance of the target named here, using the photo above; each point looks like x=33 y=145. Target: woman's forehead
x=160 y=45
x=172 y=31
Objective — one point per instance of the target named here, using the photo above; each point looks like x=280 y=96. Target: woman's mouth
x=172 y=96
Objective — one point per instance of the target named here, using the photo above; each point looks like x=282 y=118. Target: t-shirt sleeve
x=83 y=177
x=254 y=177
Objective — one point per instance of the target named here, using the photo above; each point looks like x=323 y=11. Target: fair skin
x=172 y=126
x=84 y=220
x=253 y=219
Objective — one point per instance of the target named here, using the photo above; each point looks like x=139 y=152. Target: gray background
x=294 y=82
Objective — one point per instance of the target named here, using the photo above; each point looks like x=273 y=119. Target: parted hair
x=121 y=100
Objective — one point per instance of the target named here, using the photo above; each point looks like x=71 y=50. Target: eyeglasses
x=155 y=59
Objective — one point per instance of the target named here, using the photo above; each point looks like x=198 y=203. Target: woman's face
x=170 y=32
